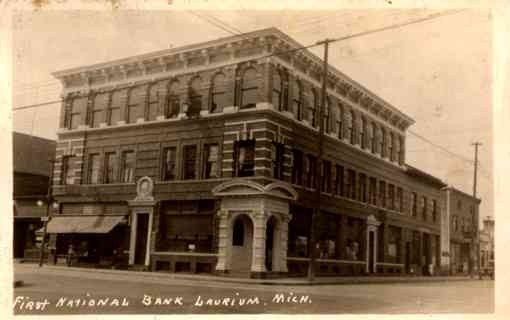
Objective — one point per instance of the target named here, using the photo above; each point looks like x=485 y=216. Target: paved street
x=72 y=292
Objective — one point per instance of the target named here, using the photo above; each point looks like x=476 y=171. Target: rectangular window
x=362 y=193
x=391 y=140
x=67 y=173
x=128 y=167
x=326 y=176
x=277 y=150
x=78 y=108
x=297 y=167
x=424 y=207
x=169 y=164
x=211 y=154
x=339 y=180
x=414 y=204
x=189 y=162
x=372 y=195
x=94 y=167
x=244 y=158
x=400 y=200
x=351 y=184
x=382 y=194
x=310 y=171
x=110 y=167
x=362 y=133
x=391 y=196
x=173 y=108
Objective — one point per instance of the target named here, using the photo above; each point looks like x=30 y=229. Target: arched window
x=373 y=137
x=173 y=105
x=362 y=133
x=340 y=121
x=238 y=233
x=156 y=96
x=350 y=126
x=382 y=143
x=136 y=102
x=277 y=92
x=312 y=108
x=218 y=93
x=327 y=113
x=297 y=93
x=249 y=88
x=195 y=97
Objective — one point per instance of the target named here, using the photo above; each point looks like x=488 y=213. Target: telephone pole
x=475 y=233
x=312 y=250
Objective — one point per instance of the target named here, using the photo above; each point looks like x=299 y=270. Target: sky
x=437 y=71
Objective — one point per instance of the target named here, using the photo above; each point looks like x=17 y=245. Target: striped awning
x=83 y=224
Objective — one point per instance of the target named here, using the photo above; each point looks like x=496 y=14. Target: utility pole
x=475 y=233
x=318 y=183
x=45 y=219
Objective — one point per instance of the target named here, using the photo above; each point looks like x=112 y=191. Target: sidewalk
x=225 y=279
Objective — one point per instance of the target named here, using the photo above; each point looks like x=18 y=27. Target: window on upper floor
x=189 y=162
x=127 y=167
x=327 y=116
x=310 y=167
x=98 y=109
x=156 y=96
x=110 y=167
x=459 y=205
x=340 y=121
x=313 y=107
x=391 y=197
x=351 y=122
x=277 y=151
x=383 y=143
x=136 y=103
x=434 y=210
x=78 y=107
x=401 y=150
x=174 y=105
x=362 y=192
x=455 y=223
x=382 y=194
x=211 y=161
x=66 y=173
x=351 y=184
x=195 y=97
x=400 y=199
x=414 y=204
x=391 y=142
x=297 y=167
x=372 y=191
x=297 y=94
x=244 y=158
x=362 y=133
x=118 y=99
x=277 y=92
x=218 y=91
x=249 y=88
x=339 y=180
x=169 y=167
x=326 y=176
x=94 y=168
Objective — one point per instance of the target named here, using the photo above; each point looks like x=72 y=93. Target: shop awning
x=83 y=224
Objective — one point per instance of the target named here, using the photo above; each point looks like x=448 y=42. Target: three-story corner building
x=202 y=159
x=459 y=231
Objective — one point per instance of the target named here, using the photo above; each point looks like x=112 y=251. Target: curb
x=284 y=282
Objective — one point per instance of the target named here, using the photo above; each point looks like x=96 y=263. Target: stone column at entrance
x=259 y=242
x=284 y=237
x=223 y=237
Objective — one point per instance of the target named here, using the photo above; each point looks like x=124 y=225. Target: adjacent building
x=487 y=245
x=31 y=172
x=459 y=243
x=203 y=159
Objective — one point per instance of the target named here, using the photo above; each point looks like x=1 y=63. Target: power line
x=440 y=147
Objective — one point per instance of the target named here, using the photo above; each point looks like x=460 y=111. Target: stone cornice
x=156 y=64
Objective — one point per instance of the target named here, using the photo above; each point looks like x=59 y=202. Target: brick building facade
x=459 y=231
x=202 y=159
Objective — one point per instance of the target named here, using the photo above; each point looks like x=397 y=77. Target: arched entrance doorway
x=241 y=240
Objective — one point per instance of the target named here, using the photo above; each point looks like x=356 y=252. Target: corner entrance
x=242 y=238
x=142 y=228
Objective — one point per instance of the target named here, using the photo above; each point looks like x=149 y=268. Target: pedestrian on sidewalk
x=70 y=255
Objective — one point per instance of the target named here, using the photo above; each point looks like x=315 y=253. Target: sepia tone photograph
x=240 y=161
